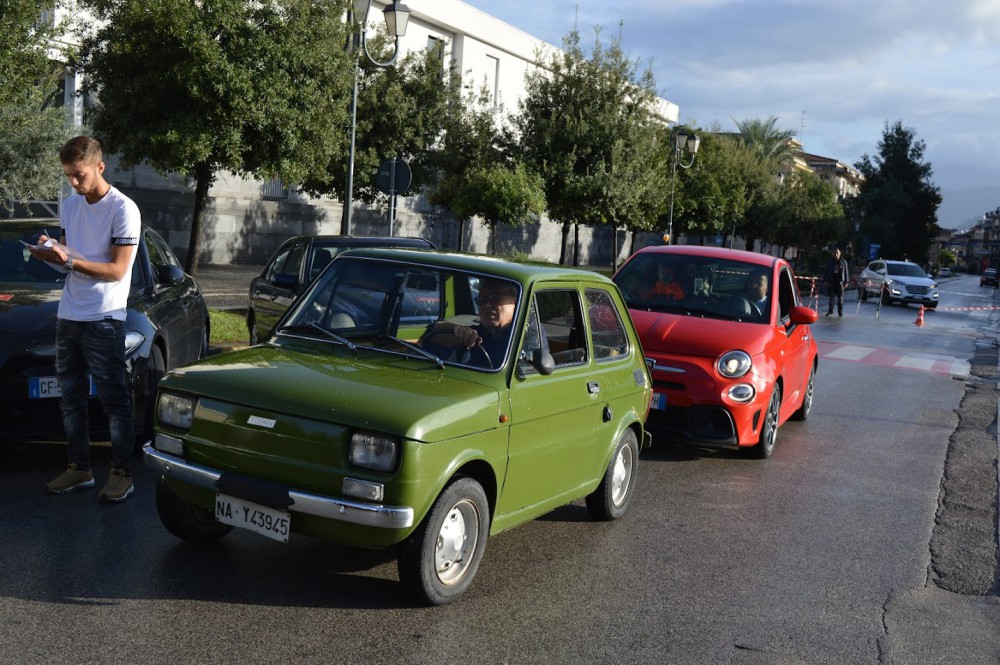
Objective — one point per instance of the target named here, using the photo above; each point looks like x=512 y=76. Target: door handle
x=593 y=387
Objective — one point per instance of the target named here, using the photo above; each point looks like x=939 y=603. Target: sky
x=835 y=73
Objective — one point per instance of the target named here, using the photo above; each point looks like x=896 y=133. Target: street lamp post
x=397 y=15
x=682 y=142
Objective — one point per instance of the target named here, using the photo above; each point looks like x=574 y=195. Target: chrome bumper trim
x=383 y=517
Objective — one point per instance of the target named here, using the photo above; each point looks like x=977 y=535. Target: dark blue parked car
x=166 y=326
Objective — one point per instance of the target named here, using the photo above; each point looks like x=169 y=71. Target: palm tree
x=768 y=141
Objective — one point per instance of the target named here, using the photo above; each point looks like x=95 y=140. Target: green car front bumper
x=342 y=510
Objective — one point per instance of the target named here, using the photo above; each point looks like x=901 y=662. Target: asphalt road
x=867 y=538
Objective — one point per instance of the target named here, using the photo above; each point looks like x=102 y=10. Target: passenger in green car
x=484 y=344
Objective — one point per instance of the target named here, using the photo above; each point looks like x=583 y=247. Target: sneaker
x=119 y=486
x=71 y=479
x=829 y=313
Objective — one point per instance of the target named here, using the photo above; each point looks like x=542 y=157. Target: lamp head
x=681 y=139
x=397 y=16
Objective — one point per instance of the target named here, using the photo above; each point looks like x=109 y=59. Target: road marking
x=849 y=352
x=966 y=309
x=882 y=357
x=912 y=362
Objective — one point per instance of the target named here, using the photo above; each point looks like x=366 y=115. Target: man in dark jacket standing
x=837 y=275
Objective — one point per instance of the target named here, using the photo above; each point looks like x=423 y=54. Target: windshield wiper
x=329 y=333
x=413 y=347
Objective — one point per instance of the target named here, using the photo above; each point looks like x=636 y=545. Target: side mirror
x=170 y=274
x=542 y=361
x=284 y=280
x=803 y=315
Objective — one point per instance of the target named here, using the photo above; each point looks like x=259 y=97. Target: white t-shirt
x=91 y=229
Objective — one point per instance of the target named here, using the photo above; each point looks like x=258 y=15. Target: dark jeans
x=97 y=348
x=836 y=296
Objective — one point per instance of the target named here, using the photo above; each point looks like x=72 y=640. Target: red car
x=734 y=357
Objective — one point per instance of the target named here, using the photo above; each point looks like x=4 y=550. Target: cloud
x=835 y=72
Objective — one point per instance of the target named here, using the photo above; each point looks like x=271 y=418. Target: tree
x=34 y=126
x=501 y=194
x=712 y=196
x=402 y=113
x=257 y=89
x=898 y=203
x=767 y=141
x=477 y=171
x=472 y=143
x=806 y=214
x=576 y=126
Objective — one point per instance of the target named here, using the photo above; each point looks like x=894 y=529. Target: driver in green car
x=497 y=302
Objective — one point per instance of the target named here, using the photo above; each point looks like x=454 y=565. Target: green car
x=414 y=400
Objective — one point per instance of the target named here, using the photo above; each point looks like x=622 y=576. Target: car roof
x=522 y=271
x=368 y=241
x=712 y=253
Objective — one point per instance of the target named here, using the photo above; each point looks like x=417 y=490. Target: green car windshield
x=404 y=308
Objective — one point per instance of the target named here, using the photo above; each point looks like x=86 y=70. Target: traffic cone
x=920 y=316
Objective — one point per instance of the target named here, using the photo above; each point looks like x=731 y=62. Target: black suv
x=989 y=278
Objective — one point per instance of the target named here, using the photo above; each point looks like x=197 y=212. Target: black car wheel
x=611 y=498
x=439 y=560
x=186 y=520
x=807 y=399
x=769 y=429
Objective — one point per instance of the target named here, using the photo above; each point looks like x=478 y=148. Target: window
x=277 y=265
x=561 y=321
x=435 y=46
x=293 y=265
x=606 y=328
x=491 y=79
x=786 y=295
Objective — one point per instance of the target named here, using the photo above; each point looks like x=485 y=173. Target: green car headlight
x=373 y=451
x=175 y=410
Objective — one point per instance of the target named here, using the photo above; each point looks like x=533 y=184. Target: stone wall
x=242 y=227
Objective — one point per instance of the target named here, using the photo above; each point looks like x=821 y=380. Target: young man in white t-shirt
x=100 y=229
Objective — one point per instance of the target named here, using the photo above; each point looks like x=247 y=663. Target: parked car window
x=607 y=330
x=293 y=265
x=138 y=272
x=16 y=264
x=159 y=254
x=278 y=263
x=321 y=257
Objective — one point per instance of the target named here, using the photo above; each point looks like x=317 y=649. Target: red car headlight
x=733 y=364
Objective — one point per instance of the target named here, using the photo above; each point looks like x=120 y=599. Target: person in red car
x=756 y=290
x=667 y=286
